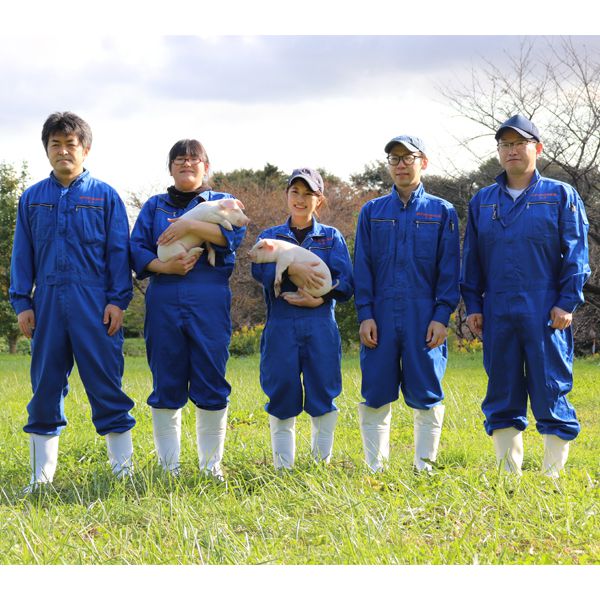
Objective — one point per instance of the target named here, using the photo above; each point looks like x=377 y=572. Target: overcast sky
x=322 y=101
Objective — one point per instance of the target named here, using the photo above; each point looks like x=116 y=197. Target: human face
x=518 y=162
x=66 y=155
x=187 y=176
x=406 y=177
x=302 y=203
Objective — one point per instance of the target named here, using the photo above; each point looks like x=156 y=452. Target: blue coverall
x=406 y=270
x=299 y=340
x=72 y=244
x=520 y=259
x=188 y=323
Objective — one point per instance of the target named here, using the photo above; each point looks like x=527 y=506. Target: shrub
x=246 y=341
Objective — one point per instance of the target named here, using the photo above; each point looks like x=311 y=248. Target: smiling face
x=188 y=176
x=518 y=161
x=66 y=155
x=302 y=203
x=406 y=177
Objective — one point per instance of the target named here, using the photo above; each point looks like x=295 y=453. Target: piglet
x=225 y=212
x=284 y=254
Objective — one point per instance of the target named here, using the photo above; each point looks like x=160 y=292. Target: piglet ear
x=239 y=203
x=229 y=203
x=267 y=244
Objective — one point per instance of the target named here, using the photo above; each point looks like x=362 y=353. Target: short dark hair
x=187 y=148
x=67 y=123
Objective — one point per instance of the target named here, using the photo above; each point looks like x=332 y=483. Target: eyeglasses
x=407 y=159
x=181 y=160
x=520 y=145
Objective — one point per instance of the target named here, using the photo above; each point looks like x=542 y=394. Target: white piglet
x=226 y=212
x=284 y=254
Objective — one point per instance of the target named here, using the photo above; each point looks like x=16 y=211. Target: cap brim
x=393 y=143
x=527 y=136
x=309 y=182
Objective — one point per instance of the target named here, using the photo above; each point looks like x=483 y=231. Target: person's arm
x=472 y=277
x=180 y=227
x=447 y=292
x=363 y=275
x=340 y=266
x=22 y=264
x=575 y=267
x=119 y=282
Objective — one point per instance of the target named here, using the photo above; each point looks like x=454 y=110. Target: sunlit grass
x=466 y=512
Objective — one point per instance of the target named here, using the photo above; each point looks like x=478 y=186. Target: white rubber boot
x=556 y=452
x=428 y=430
x=211 y=428
x=43 y=453
x=375 y=433
x=321 y=435
x=120 y=453
x=283 y=441
x=508 y=444
x=166 y=424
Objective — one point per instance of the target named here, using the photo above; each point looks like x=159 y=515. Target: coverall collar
x=516 y=208
x=417 y=193
x=317 y=230
x=85 y=174
x=502 y=180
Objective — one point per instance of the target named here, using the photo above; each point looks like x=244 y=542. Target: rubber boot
x=43 y=454
x=166 y=424
x=211 y=428
x=428 y=430
x=556 y=452
x=321 y=435
x=120 y=453
x=375 y=433
x=508 y=444
x=283 y=441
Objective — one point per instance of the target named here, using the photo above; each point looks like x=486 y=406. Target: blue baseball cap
x=410 y=142
x=522 y=126
x=312 y=178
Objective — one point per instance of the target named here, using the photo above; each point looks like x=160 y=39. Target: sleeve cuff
x=364 y=313
x=441 y=314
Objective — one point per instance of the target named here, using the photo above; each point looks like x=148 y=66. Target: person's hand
x=181 y=264
x=175 y=231
x=26 y=322
x=560 y=319
x=113 y=317
x=302 y=298
x=368 y=333
x=306 y=274
x=436 y=334
x=475 y=323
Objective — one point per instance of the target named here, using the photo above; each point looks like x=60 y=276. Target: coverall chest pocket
x=487 y=226
x=89 y=222
x=426 y=238
x=383 y=236
x=42 y=219
x=321 y=251
x=541 y=220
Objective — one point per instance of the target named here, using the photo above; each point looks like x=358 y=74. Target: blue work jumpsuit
x=406 y=270
x=520 y=259
x=303 y=341
x=72 y=244
x=188 y=324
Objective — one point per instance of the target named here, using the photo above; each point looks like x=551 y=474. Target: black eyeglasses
x=181 y=160
x=407 y=159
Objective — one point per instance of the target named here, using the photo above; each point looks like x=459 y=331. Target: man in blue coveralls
x=525 y=262
x=72 y=245
x=406 y=269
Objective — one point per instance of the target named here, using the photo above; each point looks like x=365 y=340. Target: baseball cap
x=410 y=142
x=312 y=178
x=522 y=126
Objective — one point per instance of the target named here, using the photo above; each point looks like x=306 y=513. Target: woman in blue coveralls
x=188 y=324
x=301 y=337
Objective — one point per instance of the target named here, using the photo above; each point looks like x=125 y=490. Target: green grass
x=467 y=512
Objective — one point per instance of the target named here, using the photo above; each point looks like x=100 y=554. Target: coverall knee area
x=401 y=360
x=525 y=357
x=187 y=331
x=69 y=327
x=300 y=366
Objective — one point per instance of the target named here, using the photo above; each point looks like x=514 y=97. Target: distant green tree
x=12 y=185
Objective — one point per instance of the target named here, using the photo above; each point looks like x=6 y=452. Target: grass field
x=467 y=512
